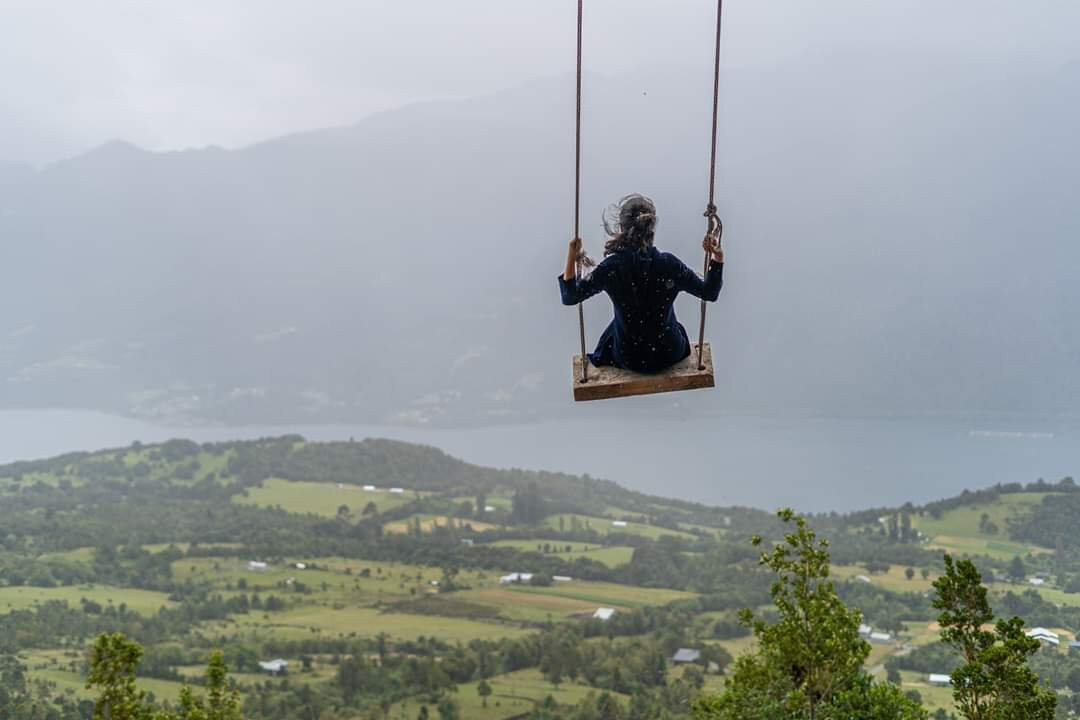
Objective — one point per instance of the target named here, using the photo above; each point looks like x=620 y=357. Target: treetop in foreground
x=809 y=661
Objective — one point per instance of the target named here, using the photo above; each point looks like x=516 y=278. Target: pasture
x=610 y=556
x=362 y=621
x=323 y=499
x=958 y=530
x=894 y=580
x=329 y=581
x=21 y=597
x=62 y=670
x=602 y=594
x=606 y=526
x=513 y=694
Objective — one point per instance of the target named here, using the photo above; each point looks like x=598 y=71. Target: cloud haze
x=177 y=75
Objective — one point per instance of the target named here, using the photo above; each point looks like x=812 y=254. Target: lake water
x=810 y=464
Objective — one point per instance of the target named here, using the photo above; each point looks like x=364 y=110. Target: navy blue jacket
x=645 y=335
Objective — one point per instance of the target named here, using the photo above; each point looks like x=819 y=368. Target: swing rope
x=715 y=227
x=577 y=195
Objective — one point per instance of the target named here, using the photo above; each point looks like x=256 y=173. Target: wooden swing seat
x=605 y=383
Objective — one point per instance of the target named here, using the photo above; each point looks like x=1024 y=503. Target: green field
x=141 y=601
x=62 y=670
x=933 y=696
x=602 y=594
x=85 y=555
x=346 y=580
x=610 y=556
x=320 y=498
x=894 y=580
x=361 y=621
x=958 y=531
x=513 y=694
x=604 y=526
x=348 y=597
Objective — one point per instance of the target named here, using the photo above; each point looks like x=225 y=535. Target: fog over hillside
x=900 y=234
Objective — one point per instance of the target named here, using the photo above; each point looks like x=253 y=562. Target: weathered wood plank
x=605 y=383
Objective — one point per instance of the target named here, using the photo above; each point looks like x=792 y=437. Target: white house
x=397 y=491
x=939 y=679
x=1036 y=581
x=561 y=578
x=489 y=508
x=1045 y=636
x=517 y=577
x=863 y=579
x=604 y=614
x=880 y=637
x=865 y=630
x=274 y=666
x=256 y=565
x=618 y=523
x=369 y=488
x=301 y=566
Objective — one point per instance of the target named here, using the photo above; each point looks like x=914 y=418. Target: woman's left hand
x=713 y=248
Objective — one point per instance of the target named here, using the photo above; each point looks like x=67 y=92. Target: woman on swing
x=642 y=282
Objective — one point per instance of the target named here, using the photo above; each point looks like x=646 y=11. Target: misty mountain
x=900 y=235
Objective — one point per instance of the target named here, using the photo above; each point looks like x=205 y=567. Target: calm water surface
x=810 y=464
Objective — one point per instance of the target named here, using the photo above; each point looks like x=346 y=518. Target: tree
x=448 y=710
x=994 y=683
x=17 y=700
x=1017 y=571
x=910 y=573
x=1072 y=681
x=449 y=579
x=809 y=662
x=370 y=509
x=350 y=677
x=608 y=708
x=343 y=512
x=541 y=580
x=483 y=689
x=694 y=676
x=528 y=505
x=907 y=534
x=113 y=661
x=221 y=703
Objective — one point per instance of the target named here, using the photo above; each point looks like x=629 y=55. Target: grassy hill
x=274 y=548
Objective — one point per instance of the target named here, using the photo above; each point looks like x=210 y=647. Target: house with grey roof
x=685 y=656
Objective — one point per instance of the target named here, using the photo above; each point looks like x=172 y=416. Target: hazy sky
x=170 y=75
